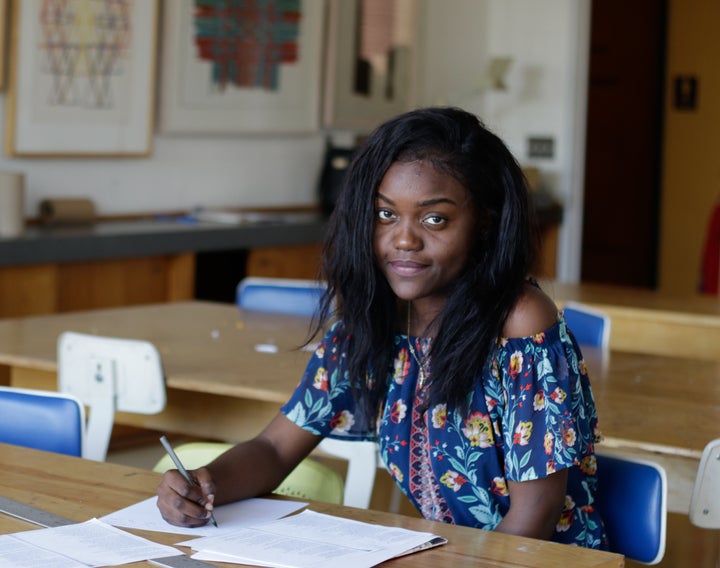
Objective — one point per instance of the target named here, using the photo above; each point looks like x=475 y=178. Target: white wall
x=547 y=40
x=546 y=93
x=183 y=173
x=546 y=96
x=454 y=53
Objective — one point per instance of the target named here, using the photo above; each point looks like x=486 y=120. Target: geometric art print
x=247 y=41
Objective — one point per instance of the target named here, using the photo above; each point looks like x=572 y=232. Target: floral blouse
x=531 y=413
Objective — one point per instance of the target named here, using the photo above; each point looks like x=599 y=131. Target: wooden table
x=661 y=404
x=212 y=366
x=665 y=409
x=659 y=407
x=665 y=403
x=220 y=386
x=648 y=321
x=79 y=490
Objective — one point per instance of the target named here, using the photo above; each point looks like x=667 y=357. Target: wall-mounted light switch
x=685 y=93
x=541 y=147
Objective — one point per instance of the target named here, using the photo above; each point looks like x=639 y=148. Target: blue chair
x=632 y=499
x=293 y=296
x=589 y=325
x=43 y=420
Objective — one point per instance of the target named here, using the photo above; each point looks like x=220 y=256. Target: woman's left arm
x=535 y=506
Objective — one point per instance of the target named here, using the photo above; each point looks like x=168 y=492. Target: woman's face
x=424 y=230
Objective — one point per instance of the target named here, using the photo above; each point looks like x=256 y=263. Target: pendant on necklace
x=420 y=362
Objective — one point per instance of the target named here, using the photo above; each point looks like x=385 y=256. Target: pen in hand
x=181 y=468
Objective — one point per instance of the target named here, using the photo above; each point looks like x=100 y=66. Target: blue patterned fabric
x=531 y=413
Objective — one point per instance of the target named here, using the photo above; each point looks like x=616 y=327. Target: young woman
x=440 y=348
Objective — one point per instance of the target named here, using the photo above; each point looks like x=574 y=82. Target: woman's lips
x=407 y=267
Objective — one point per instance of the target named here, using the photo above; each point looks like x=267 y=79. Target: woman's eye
x=384 y=214
x=434 y=220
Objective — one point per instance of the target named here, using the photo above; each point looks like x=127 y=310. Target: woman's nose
x=406 y=236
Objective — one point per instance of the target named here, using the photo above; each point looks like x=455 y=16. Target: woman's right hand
x=185 y=504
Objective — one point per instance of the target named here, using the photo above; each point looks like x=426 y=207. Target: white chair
x=705 y=500
x=363 y=460
x=109 y=374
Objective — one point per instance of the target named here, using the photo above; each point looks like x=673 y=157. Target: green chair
x=309 y=480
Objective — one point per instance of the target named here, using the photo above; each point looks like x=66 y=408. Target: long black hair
x=479 y=301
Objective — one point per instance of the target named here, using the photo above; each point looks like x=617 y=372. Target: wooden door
x=624 y=136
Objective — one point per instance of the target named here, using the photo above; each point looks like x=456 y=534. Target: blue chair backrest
x=42 y=420
x=588 y=325
x=280 y=295
x=632 y=499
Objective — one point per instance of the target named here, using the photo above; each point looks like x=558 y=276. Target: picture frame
x=251 y=88
x=370 y=79
x=82 y=90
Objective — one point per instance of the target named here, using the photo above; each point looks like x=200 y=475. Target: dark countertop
x=106 y=240
x=118 y=239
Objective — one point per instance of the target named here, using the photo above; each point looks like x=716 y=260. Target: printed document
x=310 y=540
x=92 y=543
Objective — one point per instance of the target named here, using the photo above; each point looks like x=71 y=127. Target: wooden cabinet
x=297 y=261
x=49 y=288
x=39 y=289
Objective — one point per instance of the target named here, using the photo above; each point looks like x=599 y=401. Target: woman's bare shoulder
x=534 y=312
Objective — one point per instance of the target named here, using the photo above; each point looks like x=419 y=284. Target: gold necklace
x=420 y=364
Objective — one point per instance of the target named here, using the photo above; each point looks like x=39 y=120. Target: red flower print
x=516 y=362
x=549 y=442
x=320 y=381
x=558 y=395
x=398 y=411
x=499 y=486
x=522 y=434
x=401 y=366
x=342 y=422
x=478 y=429
x=539 y=337
x=453 y=480
x=439 y=416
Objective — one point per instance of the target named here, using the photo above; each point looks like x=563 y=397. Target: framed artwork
x=371 y=58
x=82 y=77
x=241 y=67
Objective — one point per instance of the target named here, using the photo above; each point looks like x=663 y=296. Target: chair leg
x=395 y=499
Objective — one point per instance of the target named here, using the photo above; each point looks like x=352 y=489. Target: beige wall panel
x=691 y=164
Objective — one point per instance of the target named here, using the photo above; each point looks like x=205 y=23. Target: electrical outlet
x=541 y=147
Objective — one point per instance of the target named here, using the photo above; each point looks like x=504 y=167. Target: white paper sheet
x=94 y=543
x=310 y=540
x=145 y=515
x=19 y=554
